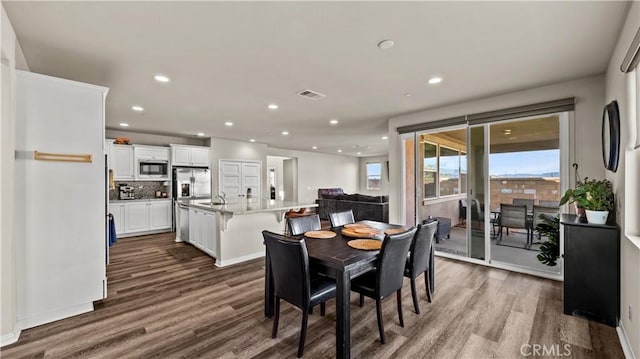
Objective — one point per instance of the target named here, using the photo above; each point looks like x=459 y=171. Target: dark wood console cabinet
x=591 y=270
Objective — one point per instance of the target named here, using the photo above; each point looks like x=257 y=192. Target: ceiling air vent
x=312 y=95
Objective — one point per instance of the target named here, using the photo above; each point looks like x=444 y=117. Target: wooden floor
x=167 y=300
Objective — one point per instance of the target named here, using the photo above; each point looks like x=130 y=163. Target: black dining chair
x=387 y=277
x=293 y=282
x=338 y=219
x=300 y=225
x=418 y=261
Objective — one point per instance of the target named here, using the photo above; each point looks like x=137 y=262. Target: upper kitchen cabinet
x=122 y=162
x=154 y=153
x=190 y=156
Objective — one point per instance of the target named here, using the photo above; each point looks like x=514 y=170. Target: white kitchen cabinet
x=117 y=210
x=155 y=153
x=122 y=162
x=159 y=215
x=202 y=230
x=190 y=156
x=136 y=217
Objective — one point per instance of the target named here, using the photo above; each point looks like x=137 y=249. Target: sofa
x=374 y=208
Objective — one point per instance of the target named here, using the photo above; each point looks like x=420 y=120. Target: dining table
x=332 y=257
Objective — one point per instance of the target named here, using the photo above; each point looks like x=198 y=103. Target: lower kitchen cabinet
x=202 y=232
x=135 y=218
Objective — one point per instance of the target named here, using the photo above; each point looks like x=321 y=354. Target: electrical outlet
x=630 y=316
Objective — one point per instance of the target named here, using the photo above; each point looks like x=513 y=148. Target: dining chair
x=544 y=203
x=387 y=278
x=300 y=225
x=338 y=219
x=292 y=213
x=512 y=216
x=418 y=261
x=524 y=202
x=537 y=211
x=293 y=282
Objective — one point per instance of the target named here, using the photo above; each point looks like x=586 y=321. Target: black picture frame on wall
x=611 y=136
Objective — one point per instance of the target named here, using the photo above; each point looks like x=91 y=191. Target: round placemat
x=320 y=234
x=395 y=230
x=356 y=225
x=365 y=244
x=360 y=232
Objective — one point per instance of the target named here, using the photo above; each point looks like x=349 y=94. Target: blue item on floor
x=113 y=238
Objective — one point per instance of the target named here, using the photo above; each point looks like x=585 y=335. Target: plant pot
x=597 y=217
x=579 y=211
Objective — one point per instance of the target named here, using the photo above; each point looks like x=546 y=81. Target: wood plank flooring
x=167 y=300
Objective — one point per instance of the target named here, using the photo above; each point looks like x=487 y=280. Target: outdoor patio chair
x=512 y=216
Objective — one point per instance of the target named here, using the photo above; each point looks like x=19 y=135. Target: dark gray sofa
x=374 y=208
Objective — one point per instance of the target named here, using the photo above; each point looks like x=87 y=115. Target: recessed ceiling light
x=435 y=80
x=359 y=153
x=228 y=123
x=252 y=140
x=314 y=147
x=408 y=94
x=386 y=44
x=162 y=78
x=339 y=151
x=333 y=122
x=385 y=137
x=200 y=134
x=273 y=106
x=122 y=124
x=137 y=108
x=285 y=133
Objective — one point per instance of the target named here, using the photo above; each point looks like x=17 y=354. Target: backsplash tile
x=148 y=190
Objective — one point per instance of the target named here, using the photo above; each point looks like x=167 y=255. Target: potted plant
x=595 y=196
x=550 y=249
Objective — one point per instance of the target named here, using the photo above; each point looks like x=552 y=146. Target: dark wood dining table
x=334 y=258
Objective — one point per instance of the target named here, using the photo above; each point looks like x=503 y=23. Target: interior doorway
x=284 y=171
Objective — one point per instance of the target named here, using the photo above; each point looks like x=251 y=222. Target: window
x=445 y=171
x=374 y=175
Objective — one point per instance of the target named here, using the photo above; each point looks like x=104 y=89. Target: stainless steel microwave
x=153 y=169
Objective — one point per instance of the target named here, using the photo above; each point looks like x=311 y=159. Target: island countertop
x=247 y=206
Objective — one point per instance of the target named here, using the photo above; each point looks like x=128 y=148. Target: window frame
x=438 y=195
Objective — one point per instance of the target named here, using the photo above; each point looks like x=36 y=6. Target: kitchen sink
x=216 y=203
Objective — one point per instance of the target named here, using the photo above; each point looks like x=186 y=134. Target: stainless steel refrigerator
x=191 y=183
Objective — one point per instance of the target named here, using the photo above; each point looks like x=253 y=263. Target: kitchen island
x=232 y=233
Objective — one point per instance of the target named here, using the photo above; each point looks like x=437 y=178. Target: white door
x=200 y=157
x=251 y=178
x=137 y=217
x=159 y=215
x=117 y=210
x=231 y=180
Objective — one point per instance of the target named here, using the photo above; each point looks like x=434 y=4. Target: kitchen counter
x=138 y=200
x=232 y=233
x=247 y=206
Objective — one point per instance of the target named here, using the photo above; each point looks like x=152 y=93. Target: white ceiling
x=228 y=60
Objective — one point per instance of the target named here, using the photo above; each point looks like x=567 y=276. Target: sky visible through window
x=525 y=164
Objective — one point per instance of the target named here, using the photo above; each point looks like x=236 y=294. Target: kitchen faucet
x=223 y=197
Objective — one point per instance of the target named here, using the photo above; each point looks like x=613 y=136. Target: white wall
x=585 y=131
x=12 y=58
x=384 y=190
x=319 y=170
x=617 y=89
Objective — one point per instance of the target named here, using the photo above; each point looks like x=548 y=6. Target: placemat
x=365 y=244
x=320 y=234
x=356 y=225
x=360 y=232
x=395 y=230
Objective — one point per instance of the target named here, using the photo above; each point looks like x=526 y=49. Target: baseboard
x=220 y=263
x=624 y=342
x=49 y=317
x=10 y=338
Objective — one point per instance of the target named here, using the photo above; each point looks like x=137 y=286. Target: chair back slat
x=391 y=262
x=300 y=225
x=338 y=219
x=290 y=268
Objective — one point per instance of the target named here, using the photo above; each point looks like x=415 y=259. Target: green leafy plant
x=550 y=249
x=593 y=195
